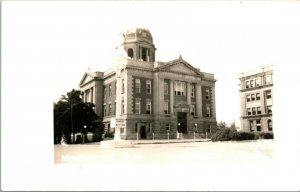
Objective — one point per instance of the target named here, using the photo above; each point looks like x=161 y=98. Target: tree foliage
x=72 y=115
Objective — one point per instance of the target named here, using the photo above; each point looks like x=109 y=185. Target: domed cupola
x=138 y=43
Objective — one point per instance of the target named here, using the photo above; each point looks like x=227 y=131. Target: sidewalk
x=164 y=141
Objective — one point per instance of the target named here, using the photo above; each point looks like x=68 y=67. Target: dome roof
x=138 y=34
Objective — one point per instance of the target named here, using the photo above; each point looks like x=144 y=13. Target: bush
x=230 y=134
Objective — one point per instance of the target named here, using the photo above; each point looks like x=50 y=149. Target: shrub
x=224 y=134
x=267 y=135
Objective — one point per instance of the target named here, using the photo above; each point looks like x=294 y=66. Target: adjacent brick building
x=256 y=100
x=146 y=98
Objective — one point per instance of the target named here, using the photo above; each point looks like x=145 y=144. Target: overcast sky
x=53 y=43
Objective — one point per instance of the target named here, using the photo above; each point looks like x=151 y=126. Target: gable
x=86 y=78
x=180 y=67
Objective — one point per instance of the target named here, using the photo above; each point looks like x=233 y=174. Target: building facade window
x=193 y=111
x=270 y=125
x=167 y=126
x=252 y=97
x=149 y=127
x=253 y=111
x=109 y=91
x=148 y=107
x=257 y=83
x=123 y=86
x=192 y=90
x=137 y=106
x=251 y=126
x=247 y=84
x=208 y=130
x=207 y=93
x=208 y=114
x=248 y=111
x=109 y=109
x=180 y=88
x=268 y=79
x=122 y=107
x=251 y=83
x=268 y=94
x=104 y=110
x=115 y=108
x=257 y=96
x=166 y=107
x=148 y=86
x=104 y=92
x=258 y=126
x=258 y=110
x=269 y=109
x=166 y=88
x=248 y=98
x=137 y=86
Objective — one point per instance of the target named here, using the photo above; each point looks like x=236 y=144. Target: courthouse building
x=256 y=100
x=145 y=98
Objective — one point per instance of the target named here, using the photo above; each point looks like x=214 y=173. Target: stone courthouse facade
x=144 y=98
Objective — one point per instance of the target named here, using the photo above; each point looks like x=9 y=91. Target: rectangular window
x=207 y=93
x=192 y=90
x=167 y=126
x=193 y=110
x=258 y=126
x=137 y=86
x=257 y=96
x=252 y=97
x=248 y=98
x=268 y=94
x=123 y=86
x=180 y=88
x=148 y=107
x=208 y=129
x=149 y=127
x=270 y=126
x=268 y=79
x=251 y=126
x=166 y=88
x=253 y=111
x=248 y=111
x=148 y=86
x=109 y=109
x=258 y=110
x=166 y=107
x=109 y=91
x=208 y=111
x=257 y=83
x=269 y=109
x=252 y=83
x=137 y=106
x=122 y=107
x=115 y=108
x=104 y=110
x=247 y=84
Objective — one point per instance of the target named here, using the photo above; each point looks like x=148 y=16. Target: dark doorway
x=181 y=122
x=143 y=132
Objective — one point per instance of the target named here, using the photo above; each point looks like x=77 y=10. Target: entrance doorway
x=143 y=132
x=182 y=122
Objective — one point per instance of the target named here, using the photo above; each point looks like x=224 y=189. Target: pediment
x=180 y=67
x=85 y=79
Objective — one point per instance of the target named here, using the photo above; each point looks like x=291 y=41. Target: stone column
x=198 y=100
x=188 y=93
x=171 y=97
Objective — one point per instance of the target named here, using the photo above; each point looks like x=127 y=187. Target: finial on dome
x=180 y=57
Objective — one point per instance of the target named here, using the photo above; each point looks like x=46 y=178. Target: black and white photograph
x=150 y=95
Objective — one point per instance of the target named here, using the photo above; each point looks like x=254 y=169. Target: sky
x=62 y=40
x=46 y=47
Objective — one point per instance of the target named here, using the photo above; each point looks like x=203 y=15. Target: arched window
x=270 y=125
x=130 y=53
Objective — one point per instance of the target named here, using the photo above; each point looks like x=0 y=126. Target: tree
x=72 y=115
x=221 y=125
